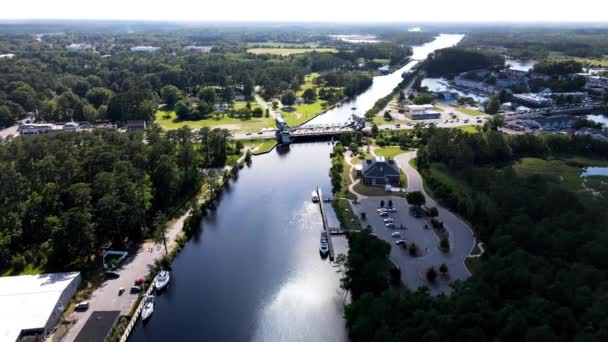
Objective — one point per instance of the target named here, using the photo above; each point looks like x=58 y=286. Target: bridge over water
x=286 y=134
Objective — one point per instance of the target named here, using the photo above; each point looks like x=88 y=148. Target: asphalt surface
x=413 y=269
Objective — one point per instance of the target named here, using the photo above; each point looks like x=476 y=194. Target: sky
x=312 y=10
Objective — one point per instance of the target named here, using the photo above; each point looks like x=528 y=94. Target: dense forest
x=538 y=43
x=452 y=61
x=106 y=81
x=65 y=195
x=543 y=275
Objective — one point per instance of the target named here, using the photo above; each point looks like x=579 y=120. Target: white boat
x=324 y=248
x=148 y=309
x=315 y=197
x=162 y=279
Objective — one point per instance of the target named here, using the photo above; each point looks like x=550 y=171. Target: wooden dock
x=326 y=225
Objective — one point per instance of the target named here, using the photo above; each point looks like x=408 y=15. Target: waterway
x=383 y=85
x=595 y=171
x=254 y=272
x=603 y=119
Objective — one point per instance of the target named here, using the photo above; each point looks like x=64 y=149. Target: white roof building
x=145 y=49
x=79 y=47
x=34 y=303
x=7 y=56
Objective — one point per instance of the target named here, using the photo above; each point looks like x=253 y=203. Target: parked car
x=388 y=220
x=135 y=289
x=248 y=133
x=396 y=234
x=381 y=209
x=383 y=213
x=112 y=274
x=390 y=225
x=82 y=306
x=400 y=242
x=398 y=126
x=392 y=210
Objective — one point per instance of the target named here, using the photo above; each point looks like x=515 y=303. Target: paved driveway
x=413 y=269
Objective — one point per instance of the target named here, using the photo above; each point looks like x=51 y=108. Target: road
x=413 y=269
x=105 y=297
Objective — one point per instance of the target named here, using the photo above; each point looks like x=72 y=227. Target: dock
x=326 y=226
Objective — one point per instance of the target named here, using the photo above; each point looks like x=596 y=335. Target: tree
x=182 y=110
x=415 y=198
x=375 y=130
x=413 y=249
x=390 y=203
x=493 y=105
x=443 y=269
x=171 y=95
x=433 y=212
x=423 y=98
x=309 y=95
x=431 y=274
x=381 y=203
x=257 y=112
x=288 y=98
x=495 y=122
x=207 y=94
x=159 y=228
x=444 y=244
x=99 y=96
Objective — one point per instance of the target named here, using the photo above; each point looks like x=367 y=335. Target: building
x=135 y=125
x=7 y=56
x=145 y=49
x=79 y=47
x=29 y=129
x=239 y=96
x=597 y=85
x=199 y=49
x=33 y=304
x=385 y=69
x=596 y=134
x=475 y=85
x=532 y=100
x=379 y=171
x=551 y=123
x=506 y=106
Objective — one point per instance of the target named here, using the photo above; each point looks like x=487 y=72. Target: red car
x=139 y=281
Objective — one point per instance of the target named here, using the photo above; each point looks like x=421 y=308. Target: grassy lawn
x=266 y=146
x=468 y=129
x=439 y=172
x=568 y=176
x=29 y=269
x=344 y=212
x=469 y=111
x=284 y=51
x=283 y=44
x=389 y=151
x=233 y=124
x=382 y=61
x=596 y=62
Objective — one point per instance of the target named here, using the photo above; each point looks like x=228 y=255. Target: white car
x=400 y=242
x=392 y=210
x=390 y=225
x=383 y=213
x=388 y=220
x=396 y=234
x=381 y=210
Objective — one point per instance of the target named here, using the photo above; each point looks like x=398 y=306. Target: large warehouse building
x=33 y=304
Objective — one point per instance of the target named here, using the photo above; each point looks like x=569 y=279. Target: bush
x=444 y=244
x=431 y=274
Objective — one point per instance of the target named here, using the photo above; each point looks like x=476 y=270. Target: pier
x=326 y=225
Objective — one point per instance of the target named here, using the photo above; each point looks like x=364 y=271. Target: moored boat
x=162 y=279
x=148 y=309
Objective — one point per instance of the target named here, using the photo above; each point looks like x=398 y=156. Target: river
x=383 y=85
x=254 y=272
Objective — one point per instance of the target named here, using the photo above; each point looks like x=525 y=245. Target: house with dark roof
x=379 y=171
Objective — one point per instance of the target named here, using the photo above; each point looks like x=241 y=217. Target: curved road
x=413 y=269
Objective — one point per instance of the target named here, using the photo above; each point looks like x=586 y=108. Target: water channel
x=254 y=272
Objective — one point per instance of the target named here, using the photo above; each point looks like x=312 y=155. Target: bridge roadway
x=561 y=110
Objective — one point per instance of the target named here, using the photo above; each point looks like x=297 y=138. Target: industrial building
x=31 y=305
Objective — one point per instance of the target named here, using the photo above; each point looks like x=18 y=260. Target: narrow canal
x=254 y=272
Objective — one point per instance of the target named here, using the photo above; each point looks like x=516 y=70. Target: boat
x=148 y=309
x=315 y=197
x=162 y=279
x=324 y=248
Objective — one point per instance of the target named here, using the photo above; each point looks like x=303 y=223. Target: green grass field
x=468 y=129
x=274 y=44
x=389 y=151
x=346 y=216
x=288 y=51
x=594 y=62
x=233 y=124
x=306 y=111
x=558 y=170
x=469 y=111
